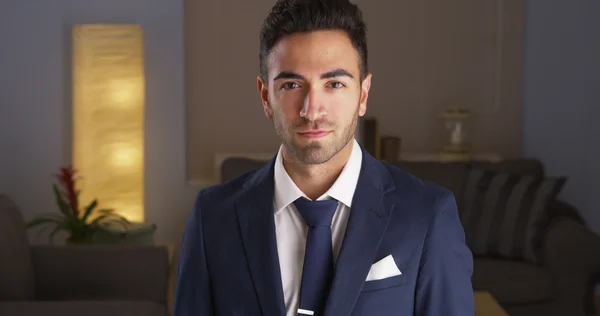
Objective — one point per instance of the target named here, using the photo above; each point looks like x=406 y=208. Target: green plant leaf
x=99 y=219
x=108 y=214
x=42 y=221
x=62 y=205
x=119 y=217
x=45 y=229
x=89 y=209
x=53 y=233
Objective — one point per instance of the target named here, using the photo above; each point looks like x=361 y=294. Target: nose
x=313 y=107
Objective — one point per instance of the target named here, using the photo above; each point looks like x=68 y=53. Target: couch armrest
x=562 y=208
x=100 y=272
x=572 y=254
x=571 y=248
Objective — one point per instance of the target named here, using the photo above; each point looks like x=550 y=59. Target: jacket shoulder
x=218 y=196
x=408 y=181
x=422 y=198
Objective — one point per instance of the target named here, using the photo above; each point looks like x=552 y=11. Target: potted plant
x=81 y=224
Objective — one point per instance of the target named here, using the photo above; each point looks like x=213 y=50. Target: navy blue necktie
x=317 y=272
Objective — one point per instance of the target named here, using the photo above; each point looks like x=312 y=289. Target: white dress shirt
x=291 y=230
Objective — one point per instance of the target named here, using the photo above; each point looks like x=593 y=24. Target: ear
x=364 y=95
x=263 y=90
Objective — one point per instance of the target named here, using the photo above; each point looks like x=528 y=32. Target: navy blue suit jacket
x=229 y=263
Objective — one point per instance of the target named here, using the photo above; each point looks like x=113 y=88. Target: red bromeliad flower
x=80 y=224
x=67 y=180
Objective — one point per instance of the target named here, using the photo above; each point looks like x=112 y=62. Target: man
x=323 y=228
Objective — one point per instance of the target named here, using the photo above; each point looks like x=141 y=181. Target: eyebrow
x=328 y=75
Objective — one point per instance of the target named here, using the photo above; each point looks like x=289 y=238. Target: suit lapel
x=257 y=225
x=367 y=223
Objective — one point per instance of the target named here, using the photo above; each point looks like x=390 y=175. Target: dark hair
x=293 y=16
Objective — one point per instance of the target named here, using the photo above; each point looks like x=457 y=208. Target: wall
x=35 y=101
x=562 y=97
x=424 y=55
x=561 y=106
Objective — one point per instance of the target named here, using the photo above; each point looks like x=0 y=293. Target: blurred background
x=151 y=101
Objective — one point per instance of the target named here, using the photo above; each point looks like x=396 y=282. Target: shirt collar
x=286 y=191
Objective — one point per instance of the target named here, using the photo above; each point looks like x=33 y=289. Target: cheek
x=342 y=107
x=287 y=104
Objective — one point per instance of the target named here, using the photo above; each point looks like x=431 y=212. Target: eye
x=290 y=86
x=336 y=85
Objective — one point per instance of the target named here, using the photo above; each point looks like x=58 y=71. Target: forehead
x=314 y=52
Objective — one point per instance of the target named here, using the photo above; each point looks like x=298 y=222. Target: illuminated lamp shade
x=108 y=116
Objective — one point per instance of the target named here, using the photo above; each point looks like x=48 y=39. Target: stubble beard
x=316 y=152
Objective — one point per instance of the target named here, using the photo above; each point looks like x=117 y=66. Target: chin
x=315 y=158
x=315 y=154
x=311 y=144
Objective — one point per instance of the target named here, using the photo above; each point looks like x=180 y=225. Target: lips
x=314 y=134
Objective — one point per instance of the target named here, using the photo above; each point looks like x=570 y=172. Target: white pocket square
x=384 y=268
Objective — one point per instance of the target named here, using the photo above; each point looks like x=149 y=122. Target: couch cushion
x=512 y=281
x=16 y=270
x=451 y=176
x=505 y=214
x=88 y=308
x=101 y=272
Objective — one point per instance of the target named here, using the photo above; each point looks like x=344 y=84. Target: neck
x=315 y=179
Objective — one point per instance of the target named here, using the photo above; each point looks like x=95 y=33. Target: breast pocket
x=384 y=283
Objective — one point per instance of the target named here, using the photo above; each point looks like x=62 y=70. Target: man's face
x=314 y=95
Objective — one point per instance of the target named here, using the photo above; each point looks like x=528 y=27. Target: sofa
x=562 y=283
x=77 y=280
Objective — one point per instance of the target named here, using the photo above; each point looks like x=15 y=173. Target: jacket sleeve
x=444 y=281
x=193 y=291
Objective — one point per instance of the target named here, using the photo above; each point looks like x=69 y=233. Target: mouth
x=314 y=134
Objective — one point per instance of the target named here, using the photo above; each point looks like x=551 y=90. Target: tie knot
x=316 y=213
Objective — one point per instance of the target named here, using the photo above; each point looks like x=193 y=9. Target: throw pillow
x=504 y=215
